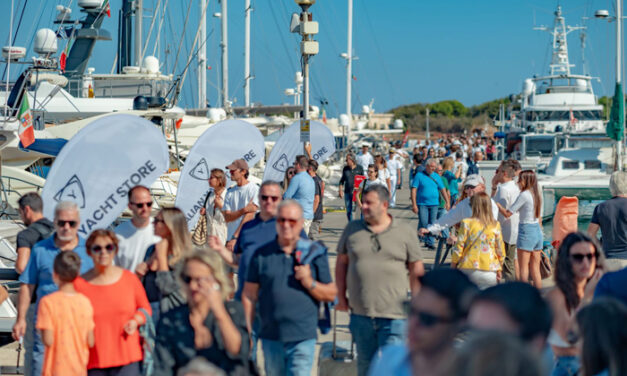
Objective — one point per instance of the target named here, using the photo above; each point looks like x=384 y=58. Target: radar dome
x=581 y=82
x=344 y=120
x=90 y=4
x=150 y=65
x=216 y=114
x=45 y=42
x=528 y=87
x=398 y=124
x=365 y=109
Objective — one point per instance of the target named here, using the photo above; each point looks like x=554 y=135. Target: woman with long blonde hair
x=161 y=259
x=383 y=174
x=479 y=250
x=530 y=238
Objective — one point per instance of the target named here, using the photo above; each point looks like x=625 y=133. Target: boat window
x=593 y=164
x=588 y=115
x=570 y=165
x=539 y=147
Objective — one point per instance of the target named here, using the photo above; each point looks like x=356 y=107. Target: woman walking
x=157 y=270
x=383 y=174
x=208 y=326
x=119 y=303
x=578 y=268
x=216 y=224
x=479 y=250
x=529 y=243
x=452 y=177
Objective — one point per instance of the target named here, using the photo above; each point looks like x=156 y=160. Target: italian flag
x=107 y=8
x=26 y=131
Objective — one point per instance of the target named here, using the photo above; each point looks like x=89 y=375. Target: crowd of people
x=143 y=299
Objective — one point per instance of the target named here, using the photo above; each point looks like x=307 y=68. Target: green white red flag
x=26 y=132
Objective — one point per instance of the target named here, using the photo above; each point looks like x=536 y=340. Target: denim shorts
x=529 y=237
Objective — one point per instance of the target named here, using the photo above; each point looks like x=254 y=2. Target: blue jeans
x=288 y=358
x=566 y=366
x=348 y=201
x=427 y=214
x=372 y=333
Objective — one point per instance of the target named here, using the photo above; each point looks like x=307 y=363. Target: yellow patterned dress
x=479 y=247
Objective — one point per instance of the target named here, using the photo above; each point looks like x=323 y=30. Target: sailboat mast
x=225 y=56
x=139 y=10
x=202 y=57
x=619 y=78
x=349 y=70
x=247 y=54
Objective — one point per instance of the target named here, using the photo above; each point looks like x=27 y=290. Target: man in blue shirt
x=613 y=285
x=38 y=272
x=426 y=189
x=302 y=188
x=288 y=295
x=473 y=167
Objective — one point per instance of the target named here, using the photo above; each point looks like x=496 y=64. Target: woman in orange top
x=116 y=296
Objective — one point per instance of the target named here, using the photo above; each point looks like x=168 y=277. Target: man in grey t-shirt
x=374 y=257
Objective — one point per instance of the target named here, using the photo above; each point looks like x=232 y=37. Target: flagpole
x=9 y=62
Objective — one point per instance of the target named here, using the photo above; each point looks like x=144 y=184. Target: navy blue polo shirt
x=254 y=234
x=287 y=311
x=613 y=285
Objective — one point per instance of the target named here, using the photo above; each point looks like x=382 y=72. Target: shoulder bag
x=199 y=235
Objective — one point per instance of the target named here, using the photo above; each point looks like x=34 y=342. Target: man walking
x=38 y=272
x=473 y=167
x=394 y=167
x=288 y=292
x=365 y=159
x=31 y=212
x=241 y=201
x=374 y=256
x=347 y=183
x=611 y=217
x=505 y=191
x=138 y=234
x=426 y=189
x=302 y=188
x=314 y=230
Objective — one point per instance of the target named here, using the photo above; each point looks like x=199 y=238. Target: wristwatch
x=313 y=285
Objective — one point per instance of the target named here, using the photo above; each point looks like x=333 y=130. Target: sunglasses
x=273 y=198
x=110 y=248
x=291 y=221
x=427 y=319
x=61 y=223
x=140 y=205
x=468 y=187
x=291 y=173
x=578 y=257
x=188 y=280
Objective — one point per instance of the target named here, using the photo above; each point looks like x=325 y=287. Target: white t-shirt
x=464 y=168
x=524 y=206
x=506 y=194
x=236 y=198
x=364 y=160
x=133 y=243
x=393 y=166
x=383 y=177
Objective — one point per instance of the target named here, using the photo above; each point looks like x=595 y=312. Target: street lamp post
x=604 y=14
x=308 y=47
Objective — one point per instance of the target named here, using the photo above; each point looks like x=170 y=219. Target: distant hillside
x=449 y=115
x=453 y=116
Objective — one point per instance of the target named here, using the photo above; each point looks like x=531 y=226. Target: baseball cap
x=473 y=180
x=392 y=150
x=239 y=164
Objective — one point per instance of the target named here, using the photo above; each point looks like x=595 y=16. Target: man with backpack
x=38 y=228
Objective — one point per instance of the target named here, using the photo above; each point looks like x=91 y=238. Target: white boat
x=561 y=101
x=580 y=172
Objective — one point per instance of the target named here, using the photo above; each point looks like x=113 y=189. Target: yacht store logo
x=200 y=171
x=282 y=164
x=72 y=191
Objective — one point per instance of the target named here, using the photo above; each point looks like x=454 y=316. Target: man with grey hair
x=38 y=272
x=426 y=189
x=611 y=217
x=386 y=248
x=287 y=290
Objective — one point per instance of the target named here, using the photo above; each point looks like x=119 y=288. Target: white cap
x=474 y=180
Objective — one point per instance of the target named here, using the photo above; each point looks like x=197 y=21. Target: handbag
x=546 y=265
x=199 y=235
x=469 y=245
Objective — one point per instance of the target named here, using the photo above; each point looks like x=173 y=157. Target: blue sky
x=409 y=50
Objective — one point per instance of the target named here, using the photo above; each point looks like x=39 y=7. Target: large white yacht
x=561 y=101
